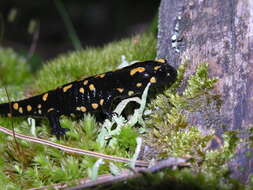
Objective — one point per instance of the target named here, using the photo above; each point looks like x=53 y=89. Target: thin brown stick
x=107 y=179
x=12 y=126
x=34 y=41
x=74 y=150
x=1 y=28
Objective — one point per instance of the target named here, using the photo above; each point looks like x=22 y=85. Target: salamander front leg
x=107 y=108
x=109 y=114
x=55 y=125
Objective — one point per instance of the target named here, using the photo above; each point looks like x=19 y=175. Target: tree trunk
x=219 y=32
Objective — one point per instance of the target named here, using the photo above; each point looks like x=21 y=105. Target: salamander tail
x=5 y=110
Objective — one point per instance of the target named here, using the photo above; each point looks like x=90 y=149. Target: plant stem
x=69 y=26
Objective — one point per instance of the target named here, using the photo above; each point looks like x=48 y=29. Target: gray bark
x=219 y=32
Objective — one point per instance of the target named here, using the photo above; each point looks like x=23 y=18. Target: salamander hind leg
x=55 y=125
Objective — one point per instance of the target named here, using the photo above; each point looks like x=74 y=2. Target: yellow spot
x=139 y=84
x=39 y=111
x=130 y=93
x=138 y=69
x=157 y=67
x=85 y=82
x=29 y=108
x=94 y=106
x=20 y=109
x=83 y=109
x=120 y=89
x=81 y=90
x=50 y=109
x=101 y=75
x=39 y=105
x=161 y=60
x=92 y=87
x=153 y=80
x=44 y=97
x=67 y=87
x=101 y=102
x=15 y=106
x=9 y=115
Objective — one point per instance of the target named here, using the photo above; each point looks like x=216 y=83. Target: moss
x=127 y=138
x=170 y=133
x=15 y=74
x=14 y=69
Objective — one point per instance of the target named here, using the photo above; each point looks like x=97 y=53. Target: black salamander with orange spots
x=95 y=93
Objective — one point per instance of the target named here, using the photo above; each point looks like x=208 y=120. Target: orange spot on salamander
x=82 y=109
x=15 y=106
x=67 y=87
x=138 y=69
x=139 y=84
x=85 y=82
x=120 y=89
x=91 y=87
x=101 y=76
x=44 y=97
x=20 y=110
x=50 y=109
x=81 y=90
x=28 y=108
x=130 y=93
x=153 y=80
x=101 y=102
x=157 y=67
x=94 y=106
x=161 y=60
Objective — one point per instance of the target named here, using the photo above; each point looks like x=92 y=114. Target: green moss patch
x=170 y=133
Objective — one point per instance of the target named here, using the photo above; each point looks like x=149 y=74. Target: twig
x=34 y=42
x=69 y=26
x=12 y=126
x=74 y=150
x=107 y=179
x=1 y=28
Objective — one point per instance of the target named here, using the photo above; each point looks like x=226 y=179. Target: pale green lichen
x=109 y=131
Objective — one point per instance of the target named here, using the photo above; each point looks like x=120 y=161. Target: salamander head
x=161 y=73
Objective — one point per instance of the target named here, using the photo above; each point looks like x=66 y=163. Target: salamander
x=94 y=93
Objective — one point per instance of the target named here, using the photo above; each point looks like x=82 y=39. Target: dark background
x=96 y=22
